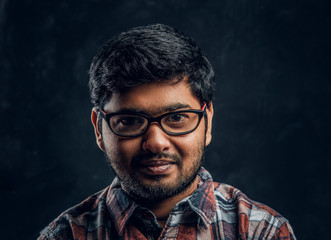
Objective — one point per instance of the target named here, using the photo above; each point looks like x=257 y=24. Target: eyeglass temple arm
x=204 y=106
x=102 y=113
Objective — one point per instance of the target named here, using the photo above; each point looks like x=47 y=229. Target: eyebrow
x=158 y=111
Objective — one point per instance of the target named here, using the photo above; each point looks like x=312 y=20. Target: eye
x=176 y=120
x=124 y=122
x=130 y=120
x=176 y=117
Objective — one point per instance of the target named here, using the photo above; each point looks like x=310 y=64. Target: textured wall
x=271 y=135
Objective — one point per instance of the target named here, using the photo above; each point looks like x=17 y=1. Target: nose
x=155 y=139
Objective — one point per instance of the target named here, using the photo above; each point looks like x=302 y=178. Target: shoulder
x=79 y=219
x=253 y=219
x=231 y=196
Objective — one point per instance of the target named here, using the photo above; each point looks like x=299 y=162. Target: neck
x=162 y=208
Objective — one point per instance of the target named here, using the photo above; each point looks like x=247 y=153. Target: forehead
x=154 y=98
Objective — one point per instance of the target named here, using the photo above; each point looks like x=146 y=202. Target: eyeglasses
x=135 y=124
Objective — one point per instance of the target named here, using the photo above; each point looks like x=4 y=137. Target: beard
x=155 y=188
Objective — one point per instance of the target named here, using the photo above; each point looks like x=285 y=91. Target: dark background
x=271 y=135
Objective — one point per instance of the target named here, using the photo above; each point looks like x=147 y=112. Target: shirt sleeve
x=56 y=230
x=284 y=232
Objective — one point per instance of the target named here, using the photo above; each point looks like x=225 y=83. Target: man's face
x=155 y=165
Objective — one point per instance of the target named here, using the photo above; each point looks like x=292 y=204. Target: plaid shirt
x=214 y=211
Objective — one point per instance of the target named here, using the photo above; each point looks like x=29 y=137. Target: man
x=152 y=91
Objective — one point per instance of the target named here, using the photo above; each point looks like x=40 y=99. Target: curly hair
x=149 y=54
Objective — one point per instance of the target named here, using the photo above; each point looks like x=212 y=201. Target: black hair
x=148 y=54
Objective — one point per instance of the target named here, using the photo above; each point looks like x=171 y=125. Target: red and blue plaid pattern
x=214 y=211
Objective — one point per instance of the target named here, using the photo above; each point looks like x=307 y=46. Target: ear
x=95 y=121
x=210 y=113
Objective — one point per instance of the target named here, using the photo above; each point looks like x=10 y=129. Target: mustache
x=176 y=159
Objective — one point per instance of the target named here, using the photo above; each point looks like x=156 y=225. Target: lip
x=156 y=167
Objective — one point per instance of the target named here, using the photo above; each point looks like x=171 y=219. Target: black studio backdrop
x=271 y=132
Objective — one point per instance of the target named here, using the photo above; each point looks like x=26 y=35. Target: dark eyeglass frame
x=107 y=116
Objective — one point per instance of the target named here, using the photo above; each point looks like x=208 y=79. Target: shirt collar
x=202 y=202
x=120 y=206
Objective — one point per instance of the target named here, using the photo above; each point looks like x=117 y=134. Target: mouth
x=156 y=167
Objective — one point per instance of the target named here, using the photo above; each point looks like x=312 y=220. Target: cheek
x=189 y=146
x=122 y=150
